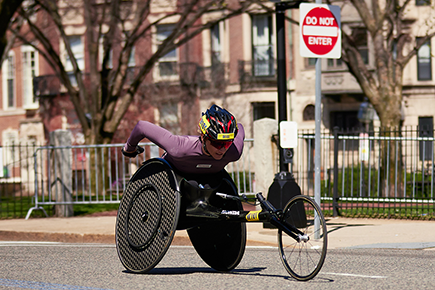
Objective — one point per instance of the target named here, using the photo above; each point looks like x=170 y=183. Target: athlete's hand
x=133 y=154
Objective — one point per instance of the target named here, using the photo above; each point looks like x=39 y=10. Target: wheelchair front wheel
x=147 y=217
x=303 y=259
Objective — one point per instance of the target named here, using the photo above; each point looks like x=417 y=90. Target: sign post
x=320 y=37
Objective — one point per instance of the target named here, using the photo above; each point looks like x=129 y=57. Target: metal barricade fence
x=16 y=178
x=98 y=174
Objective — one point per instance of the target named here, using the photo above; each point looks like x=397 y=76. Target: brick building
x=232 y=64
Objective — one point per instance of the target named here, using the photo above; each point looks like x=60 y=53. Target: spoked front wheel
x=304 y=258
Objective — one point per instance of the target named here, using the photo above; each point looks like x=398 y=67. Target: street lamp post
x=281 y=81
x=366 y=114
x=284 y=186
x=280 y=9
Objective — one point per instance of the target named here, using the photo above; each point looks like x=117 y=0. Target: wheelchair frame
x=158 y=202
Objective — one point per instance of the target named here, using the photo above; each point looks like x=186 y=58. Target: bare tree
x=113 y=29
x=7 y=11
x=397 y=33
x=394 y=43
x=393 y=32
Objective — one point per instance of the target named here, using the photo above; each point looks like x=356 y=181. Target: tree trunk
x=391 y=163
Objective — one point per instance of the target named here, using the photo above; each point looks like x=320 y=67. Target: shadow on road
x=257 y=271
x=332 y=227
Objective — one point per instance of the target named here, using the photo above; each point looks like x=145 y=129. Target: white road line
x=96 y=245
x=356 y=275
x=56 y=244
x=43 y=285
x=27 y=242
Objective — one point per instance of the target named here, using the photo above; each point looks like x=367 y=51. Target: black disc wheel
x=303 y=257
x=221 y=244
x=147 y=219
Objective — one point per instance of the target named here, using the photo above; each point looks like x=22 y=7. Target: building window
x=334 y=63
x=78 y=51
x=169 y=117
x=422 y=2
x=132 y=58
x=263 y=110
x=9 y=92
x=131 y=66
x=425 y=129
x=30 y=70
x=359 y=36
x=309 y=113
x=10 y=152
x=217 y=76
x=424 y=63
x=216 y=47
x=168 y=63
x=310 y=62
x=262 y=54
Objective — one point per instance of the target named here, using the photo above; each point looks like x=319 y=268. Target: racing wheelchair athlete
x=167 y=194
x=188 y=188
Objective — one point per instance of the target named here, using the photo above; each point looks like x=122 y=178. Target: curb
x=56 y=237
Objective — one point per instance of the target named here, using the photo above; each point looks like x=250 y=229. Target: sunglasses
x=220 y=144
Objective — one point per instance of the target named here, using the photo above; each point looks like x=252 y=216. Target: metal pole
x=335 y=190
x=280 y=9
x=318 y=123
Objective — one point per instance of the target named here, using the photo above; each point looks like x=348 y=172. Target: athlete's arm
x=156 y=134
x=238 y=142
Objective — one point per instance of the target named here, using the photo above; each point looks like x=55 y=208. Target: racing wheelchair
x=158 y=201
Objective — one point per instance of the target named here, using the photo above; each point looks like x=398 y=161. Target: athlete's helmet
x=218 y=124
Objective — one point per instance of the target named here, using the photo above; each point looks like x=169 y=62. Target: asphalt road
x=96 y=266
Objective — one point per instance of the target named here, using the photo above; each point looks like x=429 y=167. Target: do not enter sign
x=320 y=31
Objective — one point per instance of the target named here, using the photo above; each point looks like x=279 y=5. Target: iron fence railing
x=375 y=174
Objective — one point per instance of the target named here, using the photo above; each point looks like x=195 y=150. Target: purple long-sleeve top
x=185 y=152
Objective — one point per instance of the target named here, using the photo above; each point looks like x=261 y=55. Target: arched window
x=308 y=114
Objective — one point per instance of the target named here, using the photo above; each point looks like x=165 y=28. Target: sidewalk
x=342 y=232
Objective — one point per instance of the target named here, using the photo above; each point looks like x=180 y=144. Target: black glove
x=133 y=154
